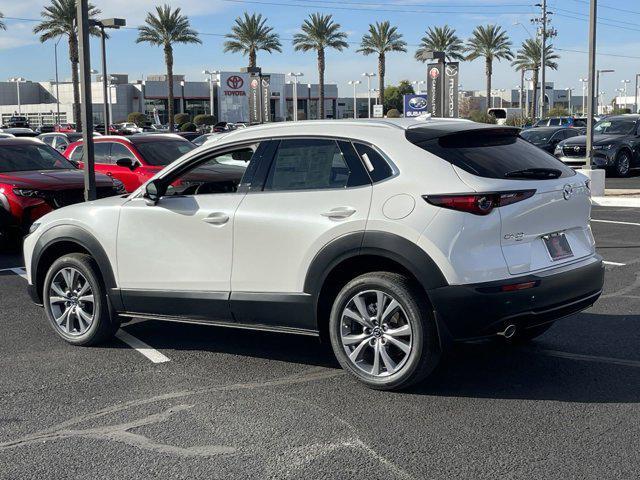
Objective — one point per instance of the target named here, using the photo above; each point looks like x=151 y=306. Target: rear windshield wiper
x=534 y=173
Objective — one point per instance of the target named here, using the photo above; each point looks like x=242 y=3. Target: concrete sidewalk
x=618 y=197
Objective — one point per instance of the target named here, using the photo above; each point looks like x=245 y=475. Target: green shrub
x=140 y=119
x=181 y=118
x=393 y=113
x=203 y=119
x=516 y=121
x=188 y=127
x=557 y=112
x=481 y=117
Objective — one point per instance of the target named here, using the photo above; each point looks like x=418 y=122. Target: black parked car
x=616 y=145
x=17 y=121
x=547 y=138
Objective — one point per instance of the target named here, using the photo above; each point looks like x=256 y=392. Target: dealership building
x=51 y=102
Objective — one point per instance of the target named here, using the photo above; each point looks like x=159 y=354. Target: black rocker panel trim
x=289 y=310
x=192 y=304
x=81 y=237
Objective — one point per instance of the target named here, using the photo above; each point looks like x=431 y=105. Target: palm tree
x=381 y=39
x=320 y=32
x=492 y=43
x=2 y=25
x=441 y=39
x=529 y=57
x=251 y=34
x=163 y=29
x=59 y=19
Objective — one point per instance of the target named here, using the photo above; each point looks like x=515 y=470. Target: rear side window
x=76 y=156
x=555 y=122
x=490 y=153
x=375 y=163
x=308 y=164
x=101 y=152
x=579 y=122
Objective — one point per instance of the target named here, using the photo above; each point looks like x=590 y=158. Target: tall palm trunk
x=522 y=109
x=534 y=100
x=252 y=58
x=168 y=58
x=489 y=72
x=73 y=57
x=381 y=73
x=321 y=82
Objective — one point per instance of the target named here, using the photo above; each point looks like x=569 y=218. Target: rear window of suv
x=490 y=153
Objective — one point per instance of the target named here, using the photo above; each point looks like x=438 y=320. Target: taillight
x=478 y=203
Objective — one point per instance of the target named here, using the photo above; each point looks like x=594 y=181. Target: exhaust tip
x=509 y=331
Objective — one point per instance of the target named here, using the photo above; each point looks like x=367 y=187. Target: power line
x=599 y=53
x=599 y=23
x=427 y=5
x=600 y=5
x=572 y=12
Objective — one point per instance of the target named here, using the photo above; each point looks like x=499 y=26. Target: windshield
x=20 y=158
x=624 y=126
x=163 y=152
x=536 y=136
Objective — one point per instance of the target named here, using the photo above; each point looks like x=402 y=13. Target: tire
x=525 y=336
x=409 y=318
x=80 y=314
x=622 y=166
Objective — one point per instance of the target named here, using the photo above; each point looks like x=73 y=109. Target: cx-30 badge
x=567 y=192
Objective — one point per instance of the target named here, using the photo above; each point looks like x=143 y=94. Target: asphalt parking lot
x=213 y=403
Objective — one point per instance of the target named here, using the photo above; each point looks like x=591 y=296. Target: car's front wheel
x=382 y=331
x=75 y=301
x=623 y=164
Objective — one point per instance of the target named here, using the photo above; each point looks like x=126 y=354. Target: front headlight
x=34 y=226
x=28 y=192
x=603 y=147
x=118 y=186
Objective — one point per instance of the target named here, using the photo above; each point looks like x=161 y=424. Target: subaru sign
x=415 y=105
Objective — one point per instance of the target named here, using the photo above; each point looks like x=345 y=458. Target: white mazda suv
x=390 y=239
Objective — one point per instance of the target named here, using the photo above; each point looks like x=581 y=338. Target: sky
x=21 y=53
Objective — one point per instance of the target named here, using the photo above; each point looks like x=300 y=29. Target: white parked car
x=389 y=238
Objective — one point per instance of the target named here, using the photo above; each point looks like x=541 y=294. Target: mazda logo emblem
x=567 y=192
x=576 y=149
x=452 y=70
x=235 y=82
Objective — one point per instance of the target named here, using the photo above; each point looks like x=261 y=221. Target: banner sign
x=232 y=92
x=378 y=111
x=266 y=98
x=434 y=88
x=452 y=70
x=254 y=100
x=415 y=105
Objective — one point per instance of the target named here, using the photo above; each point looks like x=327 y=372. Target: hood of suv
x=52 y=179
x=581 y=140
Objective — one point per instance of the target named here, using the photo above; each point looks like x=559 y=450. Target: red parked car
x=135 y=159
x=36 y=179
x=65 y=128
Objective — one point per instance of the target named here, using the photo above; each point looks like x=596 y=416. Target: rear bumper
x=480 y=310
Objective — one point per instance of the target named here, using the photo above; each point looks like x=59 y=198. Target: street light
x=417 y=83
x=584 y=81
x=369 y=75
x=18 y=81
x=114 y=23
x=598 y=72
x=211 y=73
x=355 y=102
x=295 y=76
x=526 y=93
x=502 y=90
x=625 y=83
x=569 y=94
x=635 y=110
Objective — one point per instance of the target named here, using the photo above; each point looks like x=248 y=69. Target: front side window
x=306 y=164
x=163 y=152
x=615 y=127
x=119 y=151
x=20 y=158
x=214 y=174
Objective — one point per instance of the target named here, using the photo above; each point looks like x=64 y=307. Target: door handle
x=216 y=218
x=339 y=212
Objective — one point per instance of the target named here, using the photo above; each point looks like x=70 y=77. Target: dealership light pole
x=211 y=73
x=635 y=110
x=369 y=75
x=593 y=88
x=295 y=76
x=102 y=25
x=569 y=94
x=18 y=81
x=355 y=101
x=584 y=81
x=625 y=83
x=597 y=90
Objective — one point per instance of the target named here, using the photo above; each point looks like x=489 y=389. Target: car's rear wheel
x=623 y=164
x=75 y=301
x=382 y=331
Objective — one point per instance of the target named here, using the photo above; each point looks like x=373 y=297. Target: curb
x=627 y=202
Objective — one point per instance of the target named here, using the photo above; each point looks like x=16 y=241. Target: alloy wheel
x=623 y=164
x=71 y=301
x=375 y=333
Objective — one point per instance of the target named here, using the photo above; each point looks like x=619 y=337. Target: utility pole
x=635 y=110
x=82 y=20
x=544 y=33
x=592 y=77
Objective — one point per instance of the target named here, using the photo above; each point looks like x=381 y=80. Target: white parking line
x=151 y=353
x=589 y=358
x=616 y=222
x=615 y=264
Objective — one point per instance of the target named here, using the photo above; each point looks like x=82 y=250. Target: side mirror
x=152 y=193
x=127 y=163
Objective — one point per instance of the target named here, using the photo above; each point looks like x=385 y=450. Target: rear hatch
x=549 y=226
